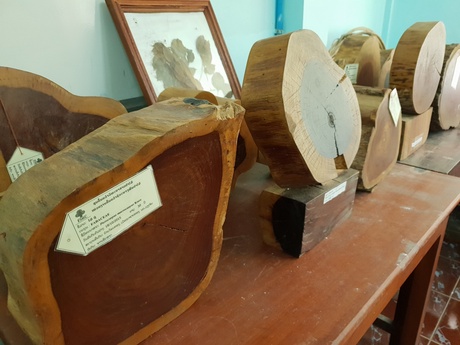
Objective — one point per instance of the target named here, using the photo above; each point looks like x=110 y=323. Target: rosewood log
x=247 y=151
x=301 y=109
x=380 y=136
x=44 y=116
x=359 y=46
x=135 y=284
x=417 y=63
x=446 y=103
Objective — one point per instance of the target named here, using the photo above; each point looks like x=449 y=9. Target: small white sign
x=103 y=218
x=456 y=76
x=417 y=141
x=22 y=160
x=335 y=192
x=395 y=106
x=351 y=70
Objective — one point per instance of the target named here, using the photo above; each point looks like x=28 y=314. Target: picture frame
x=175 y=44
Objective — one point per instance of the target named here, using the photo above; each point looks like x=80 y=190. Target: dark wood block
x=297 y=219
x=414 y=132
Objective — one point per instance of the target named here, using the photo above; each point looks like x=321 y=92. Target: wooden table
x=440 y=153
x=332 y=294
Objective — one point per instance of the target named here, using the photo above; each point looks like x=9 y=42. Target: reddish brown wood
x=386 y=58
x=301 y=109
x=380 y=137
x=359 y=46
x=246 y=152
x=414 y=132
x=44 y=116
x=416 y=66
x=297 y=219
x=446 y=104
x=141 y=280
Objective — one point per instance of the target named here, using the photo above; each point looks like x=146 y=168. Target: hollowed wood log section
x=44 y=116
x=359 y=46
x=246 y=151
x=380 y=137
x=301 y=109
x=132 y=286
x=416 y=67
x=446 y=103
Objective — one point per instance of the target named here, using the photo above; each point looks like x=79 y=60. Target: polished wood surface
x=333 y=293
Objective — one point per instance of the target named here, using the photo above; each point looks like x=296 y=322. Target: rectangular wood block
x=297 y=219
x=414 y=132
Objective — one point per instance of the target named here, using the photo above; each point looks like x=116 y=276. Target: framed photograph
x=175 y=44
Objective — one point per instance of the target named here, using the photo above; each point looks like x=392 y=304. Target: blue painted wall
x=403 y=13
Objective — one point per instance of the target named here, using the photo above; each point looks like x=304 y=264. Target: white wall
x=75 y=44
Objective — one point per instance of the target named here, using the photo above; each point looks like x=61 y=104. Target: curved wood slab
x=386 y=58
x=44 y=116
x=246 y=152
x=362 y=47
x=380 y=137
x=135 y=284
x=301 y=109
x=417 y=63
x=446 y=103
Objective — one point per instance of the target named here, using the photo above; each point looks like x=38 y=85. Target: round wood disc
x=446 y=105
x=416 y=66
x=301 y=109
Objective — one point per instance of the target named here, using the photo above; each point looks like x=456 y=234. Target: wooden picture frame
x=175 y=44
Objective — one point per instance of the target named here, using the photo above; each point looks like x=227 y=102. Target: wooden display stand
x=414 y=132
x=136 y=281
x=297 y=219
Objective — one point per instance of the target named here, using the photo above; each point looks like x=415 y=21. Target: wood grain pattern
x=247 y=151
x=446 y=103
x=417 y=63
x=414 y=132
x=45 y=117
x=380 y=137
x=300 y=108
x=363 y=48
x=386 y=58
x=141 y=280
x=297 y=219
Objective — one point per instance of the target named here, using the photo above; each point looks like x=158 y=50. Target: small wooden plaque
x=414 y=132
x=297 y=219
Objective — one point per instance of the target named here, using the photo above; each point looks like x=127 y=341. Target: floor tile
x=423 y=341
x=451 y=250
x=434 y=310
x=448 y=331
x=375 y=336
x=446 y=276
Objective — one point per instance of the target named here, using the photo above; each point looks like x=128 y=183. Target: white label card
x=22 y=160
x=103 y=218
x=351 y=70
x=417 y=141
x=335 y=192
x=395 y=106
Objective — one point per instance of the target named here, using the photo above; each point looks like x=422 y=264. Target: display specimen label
x=103 y=218
x=335 y=192
x=417 y=140
x=395 y=106
x=351 y=70
x=22 y=160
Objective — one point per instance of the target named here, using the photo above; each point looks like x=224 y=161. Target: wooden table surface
x=440 y=153
x=332 y=294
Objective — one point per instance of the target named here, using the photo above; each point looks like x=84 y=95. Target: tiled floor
x=442 y=320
